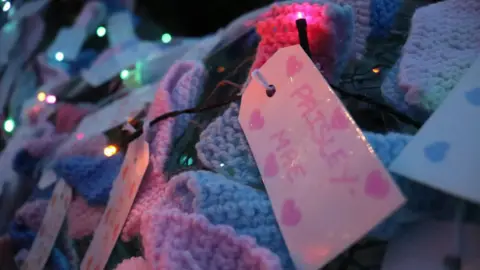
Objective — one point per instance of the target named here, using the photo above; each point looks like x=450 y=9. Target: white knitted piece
x=444 y=41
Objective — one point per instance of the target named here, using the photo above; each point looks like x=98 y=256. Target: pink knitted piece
x=135 y=263
x=68 y=117
x=83 y=219
x=176 y=240
x=178 y=90
x=277 y=30
x=39 y=147
x=444 y=41
x=31 y=214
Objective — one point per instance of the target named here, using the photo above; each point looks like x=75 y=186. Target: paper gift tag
x=69 y=41
x=48 y=178
x=116 y=113
x=103 y=71
x=444 y=154
x=327 y=187
x=424 y=247
x=120 y=28
x=51 y=224
x=121 y=199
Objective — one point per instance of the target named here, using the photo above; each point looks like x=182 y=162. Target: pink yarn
x=176 y=240
x=444 y=41
x=68 y=117
x=31 y=214
x=277 y=30
x=83 y=219
x=135 y=263
x=329 y=32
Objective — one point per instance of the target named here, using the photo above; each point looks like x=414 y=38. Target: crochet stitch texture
x=330 y=33
x=225 y=202
x=176 y=240
x=179 y=90
x=91 y=177
x=443 y=43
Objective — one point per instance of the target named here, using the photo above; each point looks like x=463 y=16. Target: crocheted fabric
x=136 y=263
x=382 y=16
x=176 y=240
x=31 y=214
x=23 y=239
x=442 y=44
x=216 y=147
x=330 y=33
x=225 y=202
x=223 y=147
x=91 y=177
x=396 y=96
x=179 y=90
x=82 y=219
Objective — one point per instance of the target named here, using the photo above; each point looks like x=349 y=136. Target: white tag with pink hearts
x=326 y=185
x=51 y=224
x=121 y=200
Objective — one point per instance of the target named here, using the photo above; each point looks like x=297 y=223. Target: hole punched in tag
x=269 y=88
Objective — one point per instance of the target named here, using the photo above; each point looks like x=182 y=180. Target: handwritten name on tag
x=326 y=185
x=51 y=224
x=444 y=154
x=121 y=199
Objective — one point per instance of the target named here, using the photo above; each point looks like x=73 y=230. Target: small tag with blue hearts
x=445 y=153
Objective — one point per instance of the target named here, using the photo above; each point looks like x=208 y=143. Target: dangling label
x=444 y=154
x=121 y=199
x=51 y=224
x=327 y=187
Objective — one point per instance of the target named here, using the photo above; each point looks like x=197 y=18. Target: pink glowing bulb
x=300 y=15
x=80 y=136
x=51 y=99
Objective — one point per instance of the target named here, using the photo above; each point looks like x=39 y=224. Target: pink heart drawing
x=291 y=214
x=376 y=186
x=256 y=120
x=339 y=119
x=270 y=169
x=293 y=66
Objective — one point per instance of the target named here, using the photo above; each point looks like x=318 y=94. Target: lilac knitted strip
x=176 y=240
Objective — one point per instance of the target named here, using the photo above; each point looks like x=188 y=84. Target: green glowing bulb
x=124 y=74
x=166 y=38
x=9 y=125
x=101 y=31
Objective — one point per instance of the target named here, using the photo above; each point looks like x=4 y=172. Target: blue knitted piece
x=423 y=202
x=224 y=148
x=24 y=163
x=226 y=202
x=23 y=239
x=382 y=16
x=91 y=177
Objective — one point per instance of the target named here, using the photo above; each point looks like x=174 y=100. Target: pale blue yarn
x=227 y=202
x=223 y=142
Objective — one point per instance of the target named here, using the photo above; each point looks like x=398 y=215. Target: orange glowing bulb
x=110 y=150
x=376 y=70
